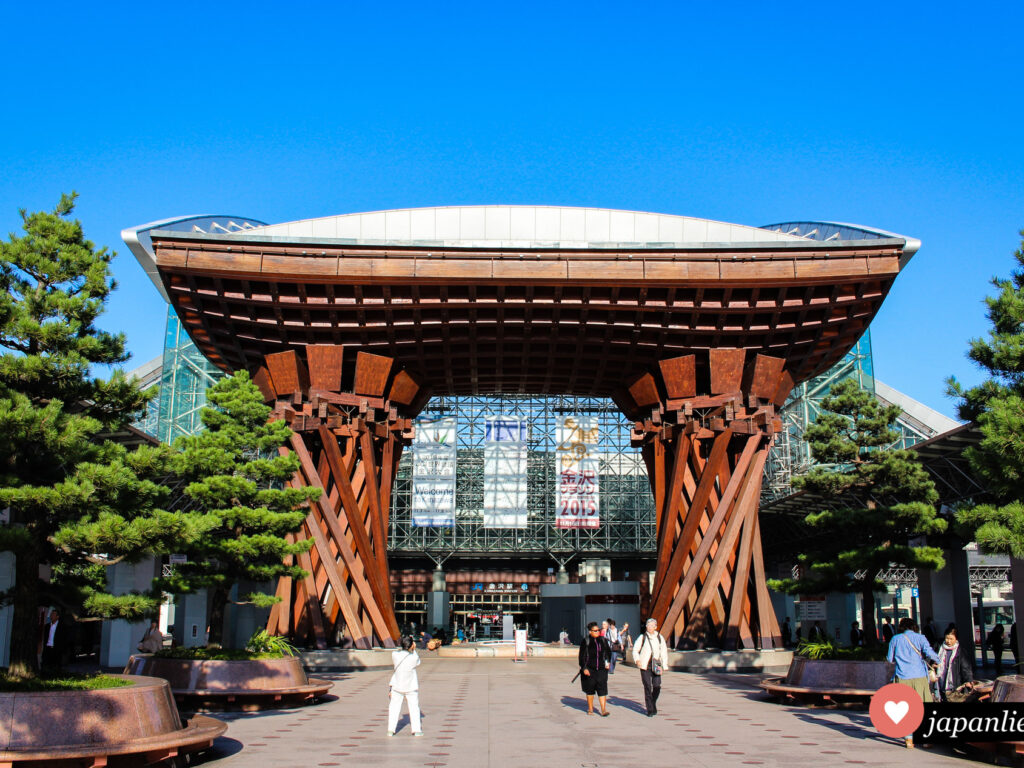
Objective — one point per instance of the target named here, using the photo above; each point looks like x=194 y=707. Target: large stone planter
x=830 y=680
x=94 y=725
x=251 y=684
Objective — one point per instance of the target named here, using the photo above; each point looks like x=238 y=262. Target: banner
x=577 y=500
x=433 y=473
x=504 y=472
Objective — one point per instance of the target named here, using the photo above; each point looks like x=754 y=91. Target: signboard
x=914 y=592
x=504 y=588
x=577 y=500
x=812 y=608
x=520 y=635
x=177 y=559
x=433 y=473
x=505 y=472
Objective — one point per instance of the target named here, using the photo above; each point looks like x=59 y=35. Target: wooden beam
x=372 y=373
x=325 y=366
x=726 y=370
x=287 y=372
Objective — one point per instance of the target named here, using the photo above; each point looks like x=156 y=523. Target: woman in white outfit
x=405 y=685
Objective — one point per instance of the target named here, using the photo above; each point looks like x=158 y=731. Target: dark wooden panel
x=726 y=370
x=680 y=376
x=404 y=389
x=325 y=366
x=287 y=372
x=783 y=389
x=372 y=373
x=262 y=380
x=644 y=390
x=765 y=380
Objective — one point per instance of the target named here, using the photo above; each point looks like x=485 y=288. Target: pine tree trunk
x=218 y=609
x=25 y=624
x=868 y=614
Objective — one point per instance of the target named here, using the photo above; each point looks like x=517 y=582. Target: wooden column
x=351 y=414
x=705 y=424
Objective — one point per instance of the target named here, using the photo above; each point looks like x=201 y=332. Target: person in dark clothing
x=1013 y=642
x=954 y=665
x=997 y=643
x=886 y=631
x=594 y=657
x=817 y=634
x=55 y=641
x=787 y=633
x=856 y=635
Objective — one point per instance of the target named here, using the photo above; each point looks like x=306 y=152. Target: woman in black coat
x=595 y=656
x=954 y=665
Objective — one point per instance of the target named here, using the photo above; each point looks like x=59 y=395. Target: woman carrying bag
x=955 y=677
x=650 y=654
x=908 y=651
x=404 y=685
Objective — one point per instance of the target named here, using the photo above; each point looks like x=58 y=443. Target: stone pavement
x=484 y=713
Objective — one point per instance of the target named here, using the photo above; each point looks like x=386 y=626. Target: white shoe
x=418 y=733
x=391 y=733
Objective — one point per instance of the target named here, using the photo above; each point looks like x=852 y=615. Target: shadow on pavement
x=630 y=704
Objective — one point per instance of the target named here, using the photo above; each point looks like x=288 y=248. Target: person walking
x=997 y=643
x=856 y=635
x=650 y=654
x=908 y=650
x=954 y=666
x=886 y=631
x=594 y=657
x=405 y=685
x=614 y=639
x=55 y=641
x=787 y=633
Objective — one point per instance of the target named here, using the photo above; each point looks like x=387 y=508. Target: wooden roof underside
x=538 y=322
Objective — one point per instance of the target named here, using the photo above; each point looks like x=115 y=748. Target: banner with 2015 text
x=577 y=500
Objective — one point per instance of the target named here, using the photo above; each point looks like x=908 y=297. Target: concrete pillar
x=243 y=620
x=945 y=594
x=1017 y=578
x=119 y=638
x=7 y=612
x=190 y=619
x=437 y=601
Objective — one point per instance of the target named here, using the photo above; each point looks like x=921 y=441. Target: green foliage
x=827 y=650
x=997 y=405
x=74 y=497
x=235 y=477
x=264 y=642
x=882 y=498
x=62 y=682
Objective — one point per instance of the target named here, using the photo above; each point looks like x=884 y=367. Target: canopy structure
x=697 y=329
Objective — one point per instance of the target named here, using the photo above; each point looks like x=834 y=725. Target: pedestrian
x=997 y=642
x=650 y=654
x=931 y=631
x=856 y=635
x=615 y=642
x=908 y=651
x=404 y=685
x=954 y=667
x=153 y=640
x=886 y=631
x=787 y=633
x=594 y=656
x=625 y=638
x=1013 y=643
x=55 y=641
x=563 y=637
x=817 y=634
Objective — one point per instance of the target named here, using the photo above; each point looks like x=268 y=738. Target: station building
x=500 y=536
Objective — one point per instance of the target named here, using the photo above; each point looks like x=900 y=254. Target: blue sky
x=904 y=117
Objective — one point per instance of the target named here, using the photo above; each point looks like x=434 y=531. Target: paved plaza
x=488 y=713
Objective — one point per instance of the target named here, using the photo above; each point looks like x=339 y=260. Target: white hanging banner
x=577 y=500
x=433 y=473
x=505 y=472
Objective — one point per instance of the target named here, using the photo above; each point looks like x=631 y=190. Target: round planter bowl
x=248 y=684
x=140 y=719
x=830 y=679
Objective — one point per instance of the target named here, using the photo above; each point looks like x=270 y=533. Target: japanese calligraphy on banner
x=505 y=472
x=433 y=473
x=577 y=502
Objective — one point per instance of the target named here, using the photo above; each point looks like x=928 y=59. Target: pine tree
x=235 y=474
x=73 y=498
x=881 y=498
x=997 y=405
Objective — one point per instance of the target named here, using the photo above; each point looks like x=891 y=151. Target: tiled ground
x=480 y=713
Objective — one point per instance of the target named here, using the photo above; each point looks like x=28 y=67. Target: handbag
x=961 y=693
x=617 y=647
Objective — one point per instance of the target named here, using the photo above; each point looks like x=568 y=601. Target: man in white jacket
x=650 y=654
x=405 y=685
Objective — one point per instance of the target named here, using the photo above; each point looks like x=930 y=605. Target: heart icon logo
x=896 y=710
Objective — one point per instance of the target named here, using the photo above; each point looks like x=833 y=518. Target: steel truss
x=626 y=504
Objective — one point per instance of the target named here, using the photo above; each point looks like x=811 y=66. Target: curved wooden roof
x=525 y=317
